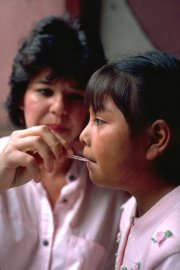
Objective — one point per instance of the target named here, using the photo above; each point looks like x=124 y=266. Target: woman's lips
x=57 y=128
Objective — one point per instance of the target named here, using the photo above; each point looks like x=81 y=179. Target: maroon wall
x=160 y=19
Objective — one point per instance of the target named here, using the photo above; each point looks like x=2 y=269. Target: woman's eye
x=75 y=97
x=45 y=92
x=99 y=122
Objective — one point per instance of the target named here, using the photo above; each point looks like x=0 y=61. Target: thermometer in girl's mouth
x=79 y=158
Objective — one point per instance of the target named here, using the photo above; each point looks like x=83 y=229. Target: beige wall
x=17 y=17
x=120 y=32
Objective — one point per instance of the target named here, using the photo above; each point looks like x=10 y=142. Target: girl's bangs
x=98 y=89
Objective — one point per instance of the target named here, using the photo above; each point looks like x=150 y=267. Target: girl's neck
x=149 y=197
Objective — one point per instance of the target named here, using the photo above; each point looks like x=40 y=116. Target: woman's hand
x=28 y=152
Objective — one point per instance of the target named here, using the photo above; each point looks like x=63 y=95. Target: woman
x=56 y=221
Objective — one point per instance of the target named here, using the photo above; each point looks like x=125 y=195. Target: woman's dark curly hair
x=62 y=45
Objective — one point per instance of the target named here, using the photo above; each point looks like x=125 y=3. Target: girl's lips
x=89 y=159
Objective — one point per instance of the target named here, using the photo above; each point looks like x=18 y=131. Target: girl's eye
x=45 y=92
x=99 y=122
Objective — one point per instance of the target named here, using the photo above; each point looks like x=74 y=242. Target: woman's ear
x=159 y=138
x=21 y=106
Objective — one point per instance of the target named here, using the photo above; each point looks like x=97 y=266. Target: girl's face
x=58 y=104
x=114 y=155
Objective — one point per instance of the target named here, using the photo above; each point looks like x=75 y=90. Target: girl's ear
x=159 y=138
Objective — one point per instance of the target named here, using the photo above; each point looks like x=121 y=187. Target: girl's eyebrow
x=106 y=109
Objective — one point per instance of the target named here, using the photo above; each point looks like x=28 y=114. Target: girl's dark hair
x=145 y=88
x=61 y=45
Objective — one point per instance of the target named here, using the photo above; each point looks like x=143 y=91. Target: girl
x=132 y=142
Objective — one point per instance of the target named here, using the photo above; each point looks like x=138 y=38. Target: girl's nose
x=84 y=136
x=58 y=105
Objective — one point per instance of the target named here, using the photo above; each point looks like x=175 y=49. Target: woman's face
x=58 y=104
x=115 y=157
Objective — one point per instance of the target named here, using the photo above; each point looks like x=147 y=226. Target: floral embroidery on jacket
x=123 y=268
x=136 y=266
x=118 y=237
x=161 y=236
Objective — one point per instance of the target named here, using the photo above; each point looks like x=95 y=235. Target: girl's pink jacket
x=153 y=240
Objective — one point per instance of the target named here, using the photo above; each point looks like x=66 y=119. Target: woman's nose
x=58 y=105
